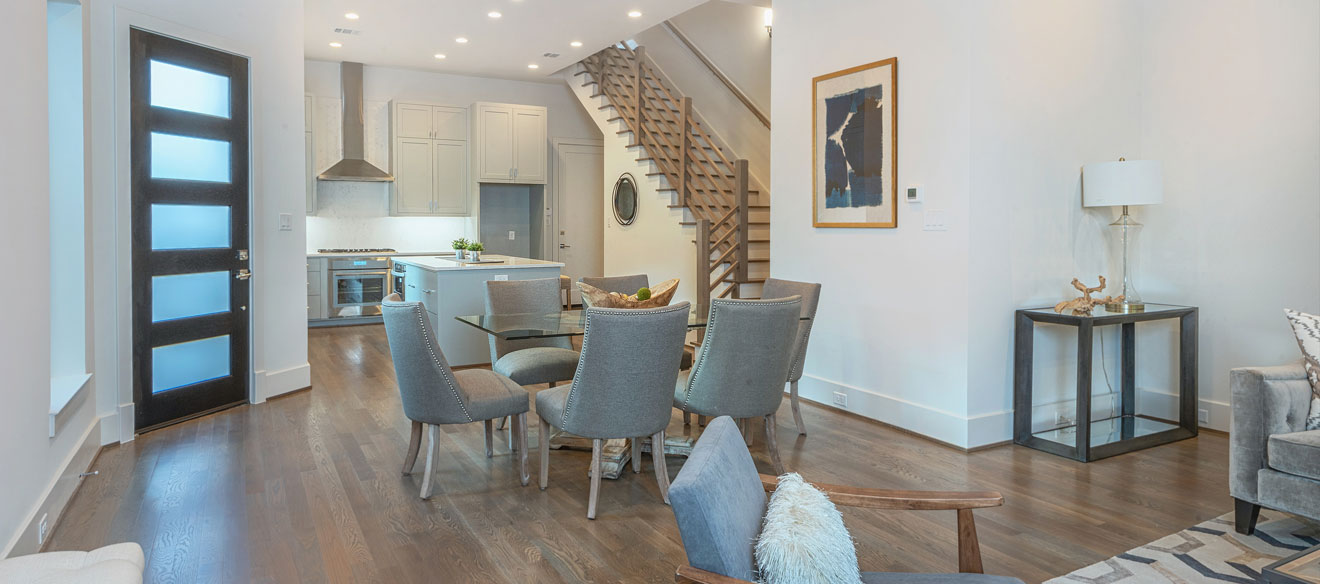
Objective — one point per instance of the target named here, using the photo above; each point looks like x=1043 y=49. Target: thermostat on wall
x=914 y=194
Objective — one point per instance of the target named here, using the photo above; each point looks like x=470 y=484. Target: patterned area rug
x=1209 y=552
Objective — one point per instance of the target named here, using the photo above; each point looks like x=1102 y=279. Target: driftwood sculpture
x=1084 y=303
x=661 y=294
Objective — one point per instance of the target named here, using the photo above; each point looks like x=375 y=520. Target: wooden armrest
x=690 y=575
x=891 y=499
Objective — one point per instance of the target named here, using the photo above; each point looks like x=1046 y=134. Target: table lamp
x=1123 y=183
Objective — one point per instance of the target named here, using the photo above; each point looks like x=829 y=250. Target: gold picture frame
x=852 y=185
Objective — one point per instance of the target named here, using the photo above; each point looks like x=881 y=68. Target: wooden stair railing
x=714 y=189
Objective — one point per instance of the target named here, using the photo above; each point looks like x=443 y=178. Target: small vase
x=458 y=254
x=474 y=256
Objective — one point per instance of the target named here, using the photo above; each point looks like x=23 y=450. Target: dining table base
x=617 y=453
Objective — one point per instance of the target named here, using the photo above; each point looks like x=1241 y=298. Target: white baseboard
x=940 y=425
x=1163 y=404
x=58 y=493
x=275 y=383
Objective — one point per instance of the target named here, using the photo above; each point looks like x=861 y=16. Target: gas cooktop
x=358 y=250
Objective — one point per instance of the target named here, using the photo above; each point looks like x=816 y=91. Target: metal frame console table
x=1088 y=439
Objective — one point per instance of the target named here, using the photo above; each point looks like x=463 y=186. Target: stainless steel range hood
x=354 y=166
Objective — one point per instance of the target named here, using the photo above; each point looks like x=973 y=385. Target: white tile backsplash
x=353 y=214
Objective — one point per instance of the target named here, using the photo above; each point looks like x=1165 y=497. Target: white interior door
x=579 y=190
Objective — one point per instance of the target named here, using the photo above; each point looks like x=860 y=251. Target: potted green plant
x=474 y=250
x=460 y=247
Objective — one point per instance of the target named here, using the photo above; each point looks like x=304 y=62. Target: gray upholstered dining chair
x=621 y=284
x=529 y=361
x=743 y=362
x=433 y=394
x=810 y=293
x=720 y=502
x=622 y=389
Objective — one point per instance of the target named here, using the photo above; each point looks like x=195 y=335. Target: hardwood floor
x=306 y=488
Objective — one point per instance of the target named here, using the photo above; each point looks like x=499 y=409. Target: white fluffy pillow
x=803 y=540
x=1306 y=327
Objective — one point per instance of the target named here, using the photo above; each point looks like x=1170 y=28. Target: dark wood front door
x=190 y=192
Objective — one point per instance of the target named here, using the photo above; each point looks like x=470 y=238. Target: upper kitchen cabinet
x=510 y=143
x=430 y=160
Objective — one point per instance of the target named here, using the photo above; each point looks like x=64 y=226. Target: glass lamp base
x=1125 y=307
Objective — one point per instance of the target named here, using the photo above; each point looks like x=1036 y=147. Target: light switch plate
x=286 y=221
x=934 y=220
x=501 y=277
x=512 y=234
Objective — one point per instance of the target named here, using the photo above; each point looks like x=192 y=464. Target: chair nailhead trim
x=430 y=347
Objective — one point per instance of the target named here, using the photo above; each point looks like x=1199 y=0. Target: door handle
x=243 y=274
x=425 y=291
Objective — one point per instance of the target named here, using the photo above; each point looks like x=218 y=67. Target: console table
x=1088 y=439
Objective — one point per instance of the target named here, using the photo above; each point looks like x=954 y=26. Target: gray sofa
x=1273 y=461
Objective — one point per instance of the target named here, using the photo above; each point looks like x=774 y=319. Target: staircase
x=730 y=214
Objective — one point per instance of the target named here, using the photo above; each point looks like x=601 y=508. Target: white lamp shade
x=1125 y=182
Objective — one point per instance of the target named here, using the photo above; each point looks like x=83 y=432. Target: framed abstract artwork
x=854 y=118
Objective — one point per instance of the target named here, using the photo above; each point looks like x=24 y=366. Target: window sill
x=63 y=391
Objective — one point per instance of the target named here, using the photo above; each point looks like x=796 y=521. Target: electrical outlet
x=501 y=277
x=42 y=528
x=512 y=234
x=841 y=399
x=1061 y=420
x=934 y=220
x=1203 y=416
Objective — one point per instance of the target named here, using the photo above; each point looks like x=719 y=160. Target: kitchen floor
x=307 y=488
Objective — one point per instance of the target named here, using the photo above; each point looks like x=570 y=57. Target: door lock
x=242 y=255
x=243 y=274
x=564 y=245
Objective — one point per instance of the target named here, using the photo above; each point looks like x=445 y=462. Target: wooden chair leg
x=797 y=413
x=490 y=437
x=636 y=454
x=431 y=445
x=772 y=444
x=969 y=549
x=745 y=426
x=701 y=421
x=687 y=419
x=414 y=445
x=502 y=423
x=520 y=429
x=1245 y=515
x=661 y=471
x=595 y=478
x=543 y=438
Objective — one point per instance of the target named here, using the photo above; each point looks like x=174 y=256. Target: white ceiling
x=408 y=33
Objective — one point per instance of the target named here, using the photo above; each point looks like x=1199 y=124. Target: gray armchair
x=810 y=293
x=1272 y=460
x=743 y=363
x=622 y=388
x=719 y=501
x=529 y=361
x=433 y=394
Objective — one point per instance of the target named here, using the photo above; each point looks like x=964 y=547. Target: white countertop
x=393 y=254
x=436 y=264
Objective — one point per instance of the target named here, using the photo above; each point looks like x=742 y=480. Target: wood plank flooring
x=306 y=488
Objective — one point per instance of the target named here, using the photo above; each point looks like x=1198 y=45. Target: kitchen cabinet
x=430 y=160
x=309 y=155
x=315 y=282
x=510 y=143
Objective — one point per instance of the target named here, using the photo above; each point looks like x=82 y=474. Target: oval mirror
x=625 y=199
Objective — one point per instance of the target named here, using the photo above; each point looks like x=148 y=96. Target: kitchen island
x=450 y=288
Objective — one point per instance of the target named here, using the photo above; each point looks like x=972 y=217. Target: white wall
x=357 y=214
x=1009 y=100
x=733 y=36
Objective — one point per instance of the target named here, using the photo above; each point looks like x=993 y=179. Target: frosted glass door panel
x=185 y=158
x=188 y=295
x=182 y=364
x=189 y=90
x=189 y=226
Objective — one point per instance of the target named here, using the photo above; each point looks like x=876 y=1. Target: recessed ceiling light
x=494 y=14
x=533 y=66
x=575 y=44
x=351 y=15
x=635 y=14
x=460 y=40
x=336 y=44
x=439 y=55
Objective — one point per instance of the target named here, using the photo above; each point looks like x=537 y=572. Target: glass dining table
x=615 y=454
